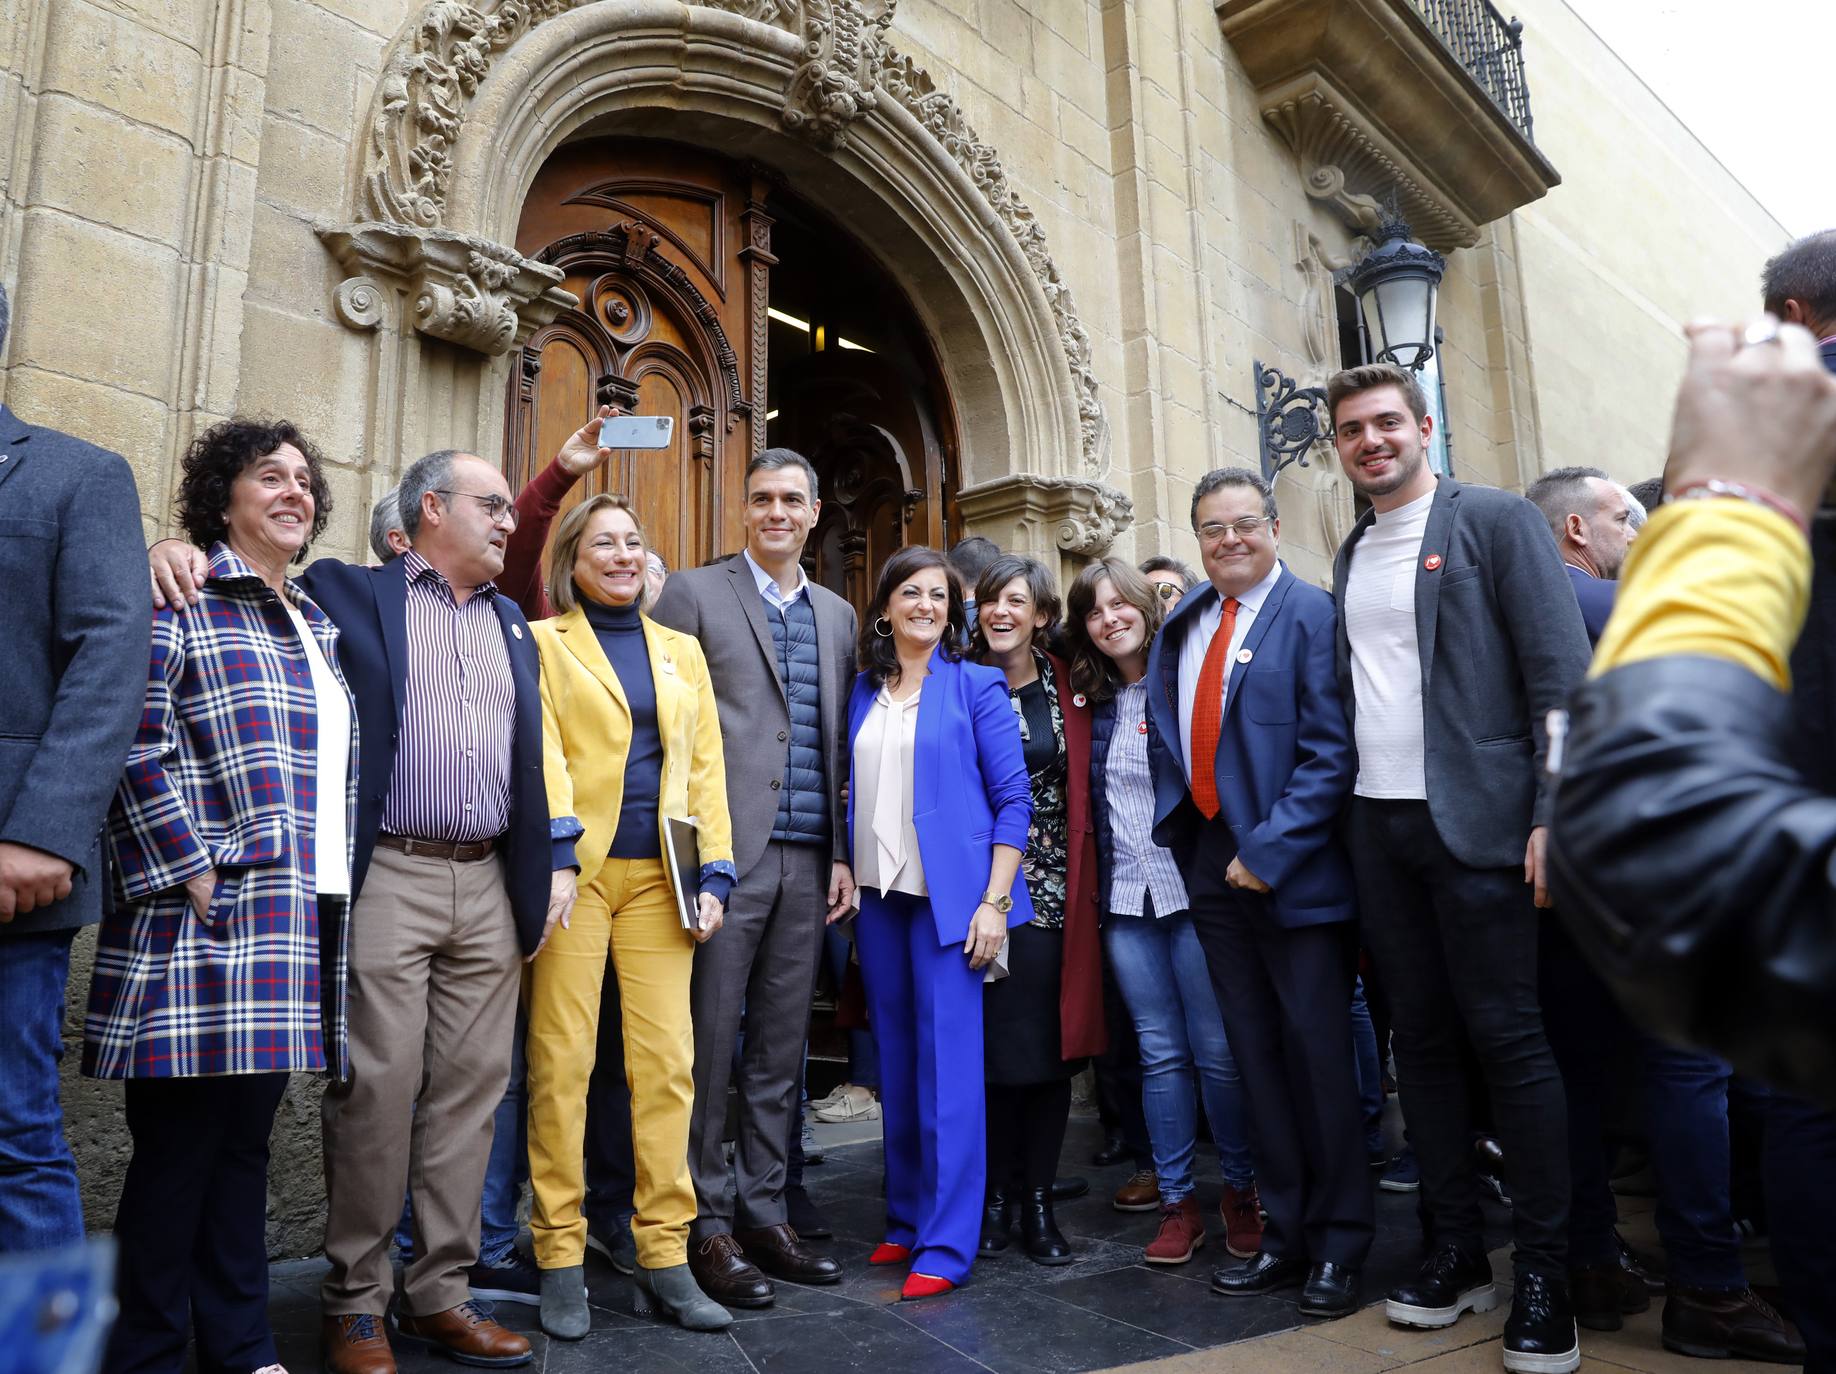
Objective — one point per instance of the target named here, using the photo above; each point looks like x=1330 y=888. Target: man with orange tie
x=1253 y=768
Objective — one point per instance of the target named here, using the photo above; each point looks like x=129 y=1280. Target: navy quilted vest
x=803 y=800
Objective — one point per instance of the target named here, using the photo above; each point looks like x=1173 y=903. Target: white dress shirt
x=330 y=846
x=1197 y=642
x=768 y=586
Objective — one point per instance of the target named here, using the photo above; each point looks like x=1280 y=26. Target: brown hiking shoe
x=1140 y=1194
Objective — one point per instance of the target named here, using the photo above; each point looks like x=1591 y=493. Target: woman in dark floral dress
x=1044 y=1018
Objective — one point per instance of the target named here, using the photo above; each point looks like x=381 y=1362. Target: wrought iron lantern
x=1396 y=284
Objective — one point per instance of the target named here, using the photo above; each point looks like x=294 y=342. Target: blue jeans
x=863 y=1058
x=505 y=1172
x=1800 y=1158
x=39 y=1204
x=1688 y=1122
x=1369 y=1058
x=1161 y=970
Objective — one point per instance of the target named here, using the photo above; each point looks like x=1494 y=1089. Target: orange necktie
x=1208 y=714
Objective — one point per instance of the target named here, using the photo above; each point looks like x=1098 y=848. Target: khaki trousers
x=434 y=973
x=629 y=909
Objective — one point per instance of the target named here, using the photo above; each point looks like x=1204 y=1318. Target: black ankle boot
x=1045 y=1243
x=997 y=1221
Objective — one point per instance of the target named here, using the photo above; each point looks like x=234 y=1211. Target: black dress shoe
x=779 y=1252
x=1449 y=1282
x=1039 y=1233
x=1114 y=1151
x=1603 y=1295
x=1331 y=1290
x=997 y=1221
x=803 y=1217
x=1265 y=1274
x=1064 y=1189
x=1540 y=1335
x=722 y=1271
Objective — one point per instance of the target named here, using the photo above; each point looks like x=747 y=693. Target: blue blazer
x=971 y=791
x=1285 y=763
x=76 y=625
x=370 y=608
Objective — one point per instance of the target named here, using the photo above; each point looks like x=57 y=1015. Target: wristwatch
x=1000 y=904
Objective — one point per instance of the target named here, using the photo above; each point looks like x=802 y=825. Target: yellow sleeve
x=707 y=781
x=560 y=783
x=1720 y=578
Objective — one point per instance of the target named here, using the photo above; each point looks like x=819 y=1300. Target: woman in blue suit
x=938 y=808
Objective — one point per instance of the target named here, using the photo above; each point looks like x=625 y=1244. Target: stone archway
x=475 y=96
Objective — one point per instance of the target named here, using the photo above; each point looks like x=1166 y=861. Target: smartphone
x=636 y=431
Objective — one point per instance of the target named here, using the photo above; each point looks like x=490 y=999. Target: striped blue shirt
x=453 y=753
x=1140 y=865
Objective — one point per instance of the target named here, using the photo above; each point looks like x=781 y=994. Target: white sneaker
x=850 y=1103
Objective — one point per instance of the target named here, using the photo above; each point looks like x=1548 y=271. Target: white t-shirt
x=1386 y=660
x=1197 y=644
x=331 y=848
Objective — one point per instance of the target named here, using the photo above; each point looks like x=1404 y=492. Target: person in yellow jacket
x=630 y=737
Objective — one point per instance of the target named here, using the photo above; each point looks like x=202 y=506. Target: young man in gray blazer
x=77 y=632
x=1458 y=633
x=780 y=651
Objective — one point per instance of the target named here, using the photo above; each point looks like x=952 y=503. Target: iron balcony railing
x=1490 y=47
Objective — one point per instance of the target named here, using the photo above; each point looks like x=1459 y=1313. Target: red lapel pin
x=1432 y=561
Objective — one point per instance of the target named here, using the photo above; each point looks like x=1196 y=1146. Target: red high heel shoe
x=888 y=1253
x=923 y=1286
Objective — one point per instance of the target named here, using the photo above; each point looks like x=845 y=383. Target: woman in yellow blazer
x=630 y=736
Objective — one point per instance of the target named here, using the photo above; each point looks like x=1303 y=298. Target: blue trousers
x=1800 y=1159
x=1369 y=1059
x=1160 y=967
x=926 y=1004
x=39 y=1204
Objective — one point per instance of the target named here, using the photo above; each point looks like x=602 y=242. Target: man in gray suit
x=77 y=632
x=780 y=651
x=1458 y=633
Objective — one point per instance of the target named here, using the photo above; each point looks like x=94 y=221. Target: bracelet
x=1709 y=488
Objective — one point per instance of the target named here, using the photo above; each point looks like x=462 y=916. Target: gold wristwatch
x=1000 y=904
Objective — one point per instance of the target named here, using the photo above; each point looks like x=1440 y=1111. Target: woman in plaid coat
x=222 y=970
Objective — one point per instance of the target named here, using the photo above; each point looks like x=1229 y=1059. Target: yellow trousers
x=630 y=910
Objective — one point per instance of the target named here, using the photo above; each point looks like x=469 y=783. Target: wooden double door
x=686 y=310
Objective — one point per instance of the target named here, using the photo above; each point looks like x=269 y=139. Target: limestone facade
x=1101 y=213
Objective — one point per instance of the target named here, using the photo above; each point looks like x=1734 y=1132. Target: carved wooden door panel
x=658 y=243
x=878 y=461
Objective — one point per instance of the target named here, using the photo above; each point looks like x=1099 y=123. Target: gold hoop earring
x=879 y=621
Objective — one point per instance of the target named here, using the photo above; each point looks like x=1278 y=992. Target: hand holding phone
x=636 y=431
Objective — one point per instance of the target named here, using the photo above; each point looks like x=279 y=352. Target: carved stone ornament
x=1082 y=517
x=458 y=288
x=846 y=68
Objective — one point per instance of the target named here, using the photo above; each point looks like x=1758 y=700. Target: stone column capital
x=1082 y=517
x=457 y=287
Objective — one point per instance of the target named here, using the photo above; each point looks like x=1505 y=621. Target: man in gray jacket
x=780 y=652
x=1458 y=633
x=76 y=630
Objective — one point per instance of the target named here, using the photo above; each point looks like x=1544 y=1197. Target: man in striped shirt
x=451 y=887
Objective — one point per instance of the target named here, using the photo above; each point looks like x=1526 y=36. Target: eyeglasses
x=1246 y=528
x=1168 y=591
x=496 y=507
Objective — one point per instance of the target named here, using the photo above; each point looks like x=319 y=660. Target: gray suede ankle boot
x=564 y=1303
x=675 y=1291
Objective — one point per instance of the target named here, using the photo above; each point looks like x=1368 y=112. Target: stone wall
x=164 y=163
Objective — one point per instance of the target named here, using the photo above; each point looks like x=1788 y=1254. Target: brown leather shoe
x=466 y=1334
x=725 y=1274
x=778 y=1251
x=1713 y=1325
x=355 y=1343
x=1140 y=1194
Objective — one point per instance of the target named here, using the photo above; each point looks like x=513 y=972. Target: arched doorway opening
x=704 y=286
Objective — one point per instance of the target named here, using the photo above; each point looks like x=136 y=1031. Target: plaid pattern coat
x=222 y=775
